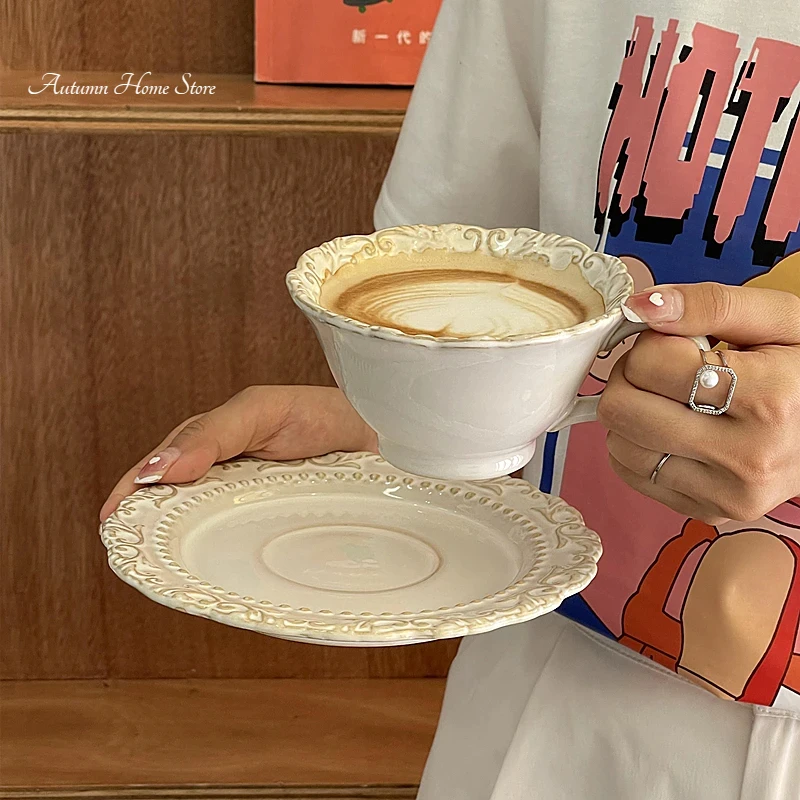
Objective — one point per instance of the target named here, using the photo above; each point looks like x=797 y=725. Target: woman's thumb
x=737 y=315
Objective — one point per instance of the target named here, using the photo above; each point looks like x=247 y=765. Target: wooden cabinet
x=144 y=246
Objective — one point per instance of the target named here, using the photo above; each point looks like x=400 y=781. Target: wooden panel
x=51 y=598
x=123 y=35
x=237 y=105
x=122 y=733
x=142 y=281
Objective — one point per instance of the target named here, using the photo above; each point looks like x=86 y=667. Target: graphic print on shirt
x=698 y=180
x=687 y=161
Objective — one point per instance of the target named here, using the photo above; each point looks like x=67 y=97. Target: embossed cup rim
x=605 y=273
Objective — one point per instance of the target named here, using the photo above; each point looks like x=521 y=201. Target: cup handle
x=584 y=409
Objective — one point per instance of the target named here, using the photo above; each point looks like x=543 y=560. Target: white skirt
x=550 y=710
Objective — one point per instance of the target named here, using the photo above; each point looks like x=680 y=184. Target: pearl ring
x=708 y=377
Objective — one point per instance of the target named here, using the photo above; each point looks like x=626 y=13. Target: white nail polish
x=147 y=479
x=630 y=314
x=657 y=299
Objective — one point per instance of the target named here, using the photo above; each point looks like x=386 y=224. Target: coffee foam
x=461 y=295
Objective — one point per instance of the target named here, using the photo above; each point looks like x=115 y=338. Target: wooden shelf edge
x=214 y=793
x=88 y=121
x=238 y=106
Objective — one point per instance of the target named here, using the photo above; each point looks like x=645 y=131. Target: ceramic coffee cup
x=464 y=409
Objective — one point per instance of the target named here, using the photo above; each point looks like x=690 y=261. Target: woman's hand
x=273 y=422
x=741 y=464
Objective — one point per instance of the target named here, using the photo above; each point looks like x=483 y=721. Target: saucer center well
x=350 y=558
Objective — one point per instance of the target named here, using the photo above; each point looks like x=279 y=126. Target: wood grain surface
x=223 y=732
x=206 y=792
x=141 y=281
x=119 y=35
x=237 y=105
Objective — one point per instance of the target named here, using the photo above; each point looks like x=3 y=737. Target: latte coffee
x=461 y=295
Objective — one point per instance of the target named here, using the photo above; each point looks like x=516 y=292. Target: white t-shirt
x=664 y=133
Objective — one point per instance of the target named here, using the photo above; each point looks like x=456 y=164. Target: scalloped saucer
x=347 y=550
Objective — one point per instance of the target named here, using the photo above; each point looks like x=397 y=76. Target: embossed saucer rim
x=136 y=539
x=611 y=280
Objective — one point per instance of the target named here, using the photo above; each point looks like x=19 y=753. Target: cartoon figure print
x=712 y=589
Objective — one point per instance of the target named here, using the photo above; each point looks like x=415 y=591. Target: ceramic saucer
x=347 y=550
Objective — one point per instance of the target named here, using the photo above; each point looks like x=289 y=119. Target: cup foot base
x=456 y=468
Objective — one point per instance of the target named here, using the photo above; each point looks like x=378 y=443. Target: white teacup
x=463 y=409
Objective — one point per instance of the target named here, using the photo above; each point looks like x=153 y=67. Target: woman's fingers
x=682 y=475
x=243 y=424
x=653 y=421
x=125 y=485
x=677 y=501
x=690 y=479
x=738 y=465
x=275 y=422
x=667 y=366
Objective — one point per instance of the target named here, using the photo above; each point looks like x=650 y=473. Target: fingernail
x=662 y=304
x=630 y=314
x=154 y=470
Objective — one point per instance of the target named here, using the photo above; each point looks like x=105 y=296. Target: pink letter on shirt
x=771 y=74
x=707 y=74
x=783 y=214
x=635 y=111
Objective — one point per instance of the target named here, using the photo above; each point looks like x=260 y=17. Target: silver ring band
x=708 y=377
x=666 y=457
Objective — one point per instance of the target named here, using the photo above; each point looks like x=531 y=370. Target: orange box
x=342 y=41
